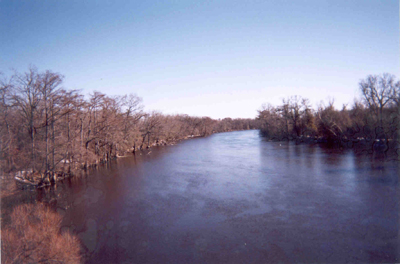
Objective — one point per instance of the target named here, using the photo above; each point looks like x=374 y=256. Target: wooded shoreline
x=48 y=132
x=34 y=180
x=372 y=122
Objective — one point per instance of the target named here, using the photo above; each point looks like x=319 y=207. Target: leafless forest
x=371 y=123
x=47 y=131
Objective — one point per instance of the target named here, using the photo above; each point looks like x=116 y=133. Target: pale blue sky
x=205 y=58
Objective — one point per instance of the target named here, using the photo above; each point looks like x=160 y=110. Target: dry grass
x=33 y=236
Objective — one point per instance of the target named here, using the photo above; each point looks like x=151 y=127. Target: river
x=236 y=198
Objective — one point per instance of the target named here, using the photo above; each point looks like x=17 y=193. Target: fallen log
x=25 y=181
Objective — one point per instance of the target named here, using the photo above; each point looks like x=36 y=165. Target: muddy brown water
x=236 y=198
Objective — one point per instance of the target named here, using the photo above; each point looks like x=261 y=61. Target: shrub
x=33 y=236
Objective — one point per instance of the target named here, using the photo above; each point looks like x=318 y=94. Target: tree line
x=372 y=121
x=47 y=130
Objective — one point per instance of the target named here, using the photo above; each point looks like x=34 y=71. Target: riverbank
x=365 y=145
x=70 y=168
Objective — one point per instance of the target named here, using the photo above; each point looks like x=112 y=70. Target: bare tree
x=27 y=98
x=378 y=92
x=49 y=87
x=133 y=113
x=152 y=124
x=7 y=135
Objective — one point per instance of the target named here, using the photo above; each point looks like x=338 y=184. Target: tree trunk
x=46 y=133
x=53 y=141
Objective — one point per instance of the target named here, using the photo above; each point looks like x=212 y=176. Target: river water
x=236 y=198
